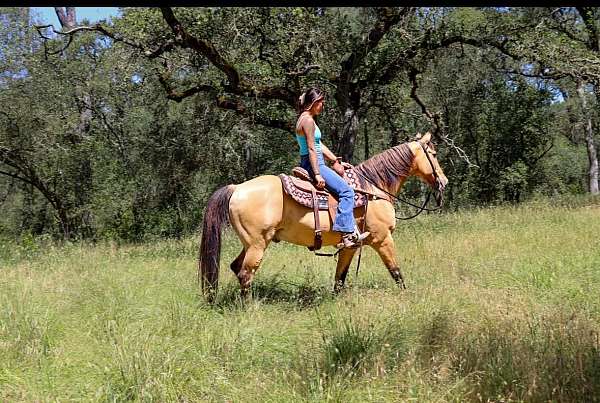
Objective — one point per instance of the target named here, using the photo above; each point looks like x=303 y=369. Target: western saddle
x=301 y=188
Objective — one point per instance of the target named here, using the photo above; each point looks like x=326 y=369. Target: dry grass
x=502 y=305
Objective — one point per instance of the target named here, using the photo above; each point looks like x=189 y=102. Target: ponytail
x=308 y=98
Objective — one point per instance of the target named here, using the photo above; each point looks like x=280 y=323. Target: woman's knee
x=347 y=191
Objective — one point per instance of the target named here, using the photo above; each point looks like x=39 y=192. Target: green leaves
x=467 y=20
x=108 y=155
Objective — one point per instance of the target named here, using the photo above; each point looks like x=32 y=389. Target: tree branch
x=384 y=75
x=435 y=119
x=240 y=109
x=303 y=72
x=539 y=157
x=563 y=28
x=185 y=40
x=543 y=73
x=388 y=17
x=14 y=176
x=236 y=85
x=222 y=102
x=32 y=179
x=99 y=28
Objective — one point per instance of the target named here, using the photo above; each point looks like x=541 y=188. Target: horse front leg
x=343 y=264
x=387 y=253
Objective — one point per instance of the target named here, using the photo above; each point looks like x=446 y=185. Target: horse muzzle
x=440 y=185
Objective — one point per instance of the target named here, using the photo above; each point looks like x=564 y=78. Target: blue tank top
x=304 y=146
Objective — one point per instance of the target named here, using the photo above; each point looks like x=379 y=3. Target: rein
x=396 y=198
x=399 y=199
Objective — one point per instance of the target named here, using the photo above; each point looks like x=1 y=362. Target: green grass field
x=502 y=305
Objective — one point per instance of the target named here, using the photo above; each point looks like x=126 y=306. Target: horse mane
x=387 y=168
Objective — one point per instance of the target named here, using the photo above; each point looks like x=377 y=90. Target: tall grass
x=502 y=305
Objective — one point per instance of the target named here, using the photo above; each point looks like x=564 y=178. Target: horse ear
x=426 y=138
x=418 y=136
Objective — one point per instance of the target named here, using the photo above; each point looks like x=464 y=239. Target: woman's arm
x=327 y=153
x=337 y=166
x=308 y=127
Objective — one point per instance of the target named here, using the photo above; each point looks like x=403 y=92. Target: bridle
x=435 y=174
x=396 y=198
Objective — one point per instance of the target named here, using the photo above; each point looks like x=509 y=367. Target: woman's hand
x=338 y=168
x=320 y=182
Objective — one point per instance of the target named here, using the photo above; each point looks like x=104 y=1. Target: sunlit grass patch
x=541 y=359
x=26 y=329
x=501 y=305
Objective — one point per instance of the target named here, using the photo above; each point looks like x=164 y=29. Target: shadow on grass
x=533 y=359
x=274 y=289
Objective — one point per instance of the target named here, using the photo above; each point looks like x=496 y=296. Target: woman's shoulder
x=303 y=121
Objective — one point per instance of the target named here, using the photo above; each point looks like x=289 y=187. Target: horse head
x=427 y=167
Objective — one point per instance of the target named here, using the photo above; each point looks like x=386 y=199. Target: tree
x=164 y=105
x=45 y=126
x=353 y=53
x=558 y=44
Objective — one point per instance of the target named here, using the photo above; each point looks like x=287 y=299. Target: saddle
x=301 y=188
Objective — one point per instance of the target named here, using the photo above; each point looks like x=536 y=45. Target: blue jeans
x=335 y=184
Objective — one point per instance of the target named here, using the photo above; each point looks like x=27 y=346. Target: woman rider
x=312 y=151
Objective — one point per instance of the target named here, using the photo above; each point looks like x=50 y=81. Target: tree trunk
x=348 y=134
x=366 y=134
x=592 y=158
x=250 y=170
x=394 y=137
x=66 y=17
x=62 y=210
x=589 y=141
x=63 y=218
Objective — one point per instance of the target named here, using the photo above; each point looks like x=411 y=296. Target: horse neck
x=397 y=188
x=392 y=184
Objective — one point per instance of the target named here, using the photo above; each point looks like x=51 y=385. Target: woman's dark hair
x=309 y=96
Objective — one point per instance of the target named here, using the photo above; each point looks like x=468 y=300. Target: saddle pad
x=301 y=192
x=351 y=178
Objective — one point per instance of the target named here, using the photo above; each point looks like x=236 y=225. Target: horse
x=261 y=212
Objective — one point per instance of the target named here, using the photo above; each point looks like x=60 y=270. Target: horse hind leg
x=236 y=265
x=249 y=266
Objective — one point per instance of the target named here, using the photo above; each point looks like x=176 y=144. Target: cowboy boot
x=352 y=239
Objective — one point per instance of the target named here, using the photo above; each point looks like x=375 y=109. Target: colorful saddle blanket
x=302 y=190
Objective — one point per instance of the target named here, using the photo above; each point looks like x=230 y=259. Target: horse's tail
x=216 y=216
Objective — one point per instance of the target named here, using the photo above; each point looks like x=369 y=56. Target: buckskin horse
x=260 y=211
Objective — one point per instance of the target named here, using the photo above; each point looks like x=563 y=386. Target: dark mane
x=387 y=168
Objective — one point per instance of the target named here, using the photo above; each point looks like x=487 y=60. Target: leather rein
x=399 y=199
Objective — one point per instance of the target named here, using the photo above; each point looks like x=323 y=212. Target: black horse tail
x=216 y=216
